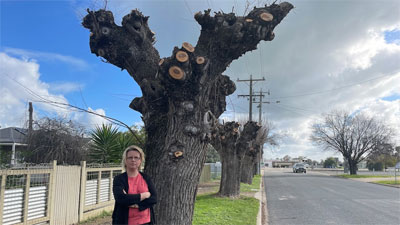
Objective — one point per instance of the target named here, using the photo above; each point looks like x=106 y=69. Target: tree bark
x=232 y=145
x=252 y=157
x=181 y=98
x=224 y=139
x=353 y=167
x=249 y=161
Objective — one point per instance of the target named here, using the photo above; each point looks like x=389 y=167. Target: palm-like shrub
x=105 y=147
x=108 y=143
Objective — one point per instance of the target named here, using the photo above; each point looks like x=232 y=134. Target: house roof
x=13 y=135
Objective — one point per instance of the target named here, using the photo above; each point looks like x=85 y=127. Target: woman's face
x=133 y=160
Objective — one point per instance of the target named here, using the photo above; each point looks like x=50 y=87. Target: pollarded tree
x=252 y=156
x=180 y=92
x=354 y=136
x=232 y=146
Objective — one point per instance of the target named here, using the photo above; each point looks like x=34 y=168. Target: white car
x=299 y=168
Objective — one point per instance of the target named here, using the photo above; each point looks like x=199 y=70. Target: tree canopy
x=330 y=163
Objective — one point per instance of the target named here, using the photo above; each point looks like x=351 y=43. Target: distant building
x=362 y=164
x=12 y=142
x=268 y=162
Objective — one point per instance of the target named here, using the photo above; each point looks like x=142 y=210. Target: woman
x=134 y=193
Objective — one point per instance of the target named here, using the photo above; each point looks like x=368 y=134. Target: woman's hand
x=134 y=206
x=144 y=195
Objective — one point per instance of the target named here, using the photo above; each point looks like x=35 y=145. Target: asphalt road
x=315 y=198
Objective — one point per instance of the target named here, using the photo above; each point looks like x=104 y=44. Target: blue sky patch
x=392 y=36
x=391 y=98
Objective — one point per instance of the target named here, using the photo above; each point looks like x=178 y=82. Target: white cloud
x=78 y=64
x=19 y=84
x=90 y=121
x=65 y=87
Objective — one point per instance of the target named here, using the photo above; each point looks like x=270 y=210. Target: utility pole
x=260 y=121
x=251 y=80
x=30 y=118
x=260 y=105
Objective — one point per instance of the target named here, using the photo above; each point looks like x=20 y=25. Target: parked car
x=299 y=168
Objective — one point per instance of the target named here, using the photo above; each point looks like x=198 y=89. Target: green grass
x=210 y=209
x=254 y=187
x=388 y=182
x=362 y=176
x=92 y=219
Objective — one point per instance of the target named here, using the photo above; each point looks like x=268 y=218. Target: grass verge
x=210 y=209
x=362 y=176
x=254 y=187
x=388 y=182
x=103 y=214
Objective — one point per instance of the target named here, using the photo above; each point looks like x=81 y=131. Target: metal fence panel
x=91 y=192
x=104 y=190
x=37 y=202
x=13 y=206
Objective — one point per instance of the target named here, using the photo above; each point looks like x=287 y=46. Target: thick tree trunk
x=250 y=162
x=224 y=139
x=255 y=168
x=353 y=167
x=184 y=94
x=232 y=147
x=176 y=187
x=246 y=175
x=230 y=182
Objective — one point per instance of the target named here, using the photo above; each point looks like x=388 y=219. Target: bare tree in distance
x=355 y=136
x=56 y=139
x=232 y=144
x=181 y=93
x=274 y=136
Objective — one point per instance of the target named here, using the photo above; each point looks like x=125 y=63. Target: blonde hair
x=132 y=148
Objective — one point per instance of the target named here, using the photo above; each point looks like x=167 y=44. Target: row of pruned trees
x=239 y=148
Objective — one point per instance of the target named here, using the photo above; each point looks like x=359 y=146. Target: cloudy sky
x=327 y=55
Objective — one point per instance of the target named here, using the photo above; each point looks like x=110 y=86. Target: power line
x=260 y=104
x=291 y=111
x=70 y=107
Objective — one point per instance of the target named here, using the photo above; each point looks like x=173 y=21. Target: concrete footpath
x=262 y=216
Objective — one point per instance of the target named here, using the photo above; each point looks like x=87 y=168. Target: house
x=12 y=142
